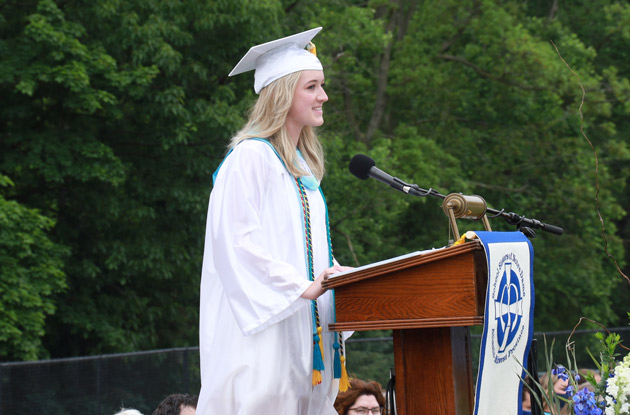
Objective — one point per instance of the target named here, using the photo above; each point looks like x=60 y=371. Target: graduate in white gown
x=267 y=251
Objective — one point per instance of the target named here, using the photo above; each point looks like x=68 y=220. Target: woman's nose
x=322 y=96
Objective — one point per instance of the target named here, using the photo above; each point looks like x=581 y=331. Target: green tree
x=114 y=115
x=472 y=97
x=604 y=29
x=31 y=269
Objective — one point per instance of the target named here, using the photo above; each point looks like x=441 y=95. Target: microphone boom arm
x=469 y=207
x=526 y=225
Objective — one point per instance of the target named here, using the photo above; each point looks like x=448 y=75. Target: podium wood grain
x=428 y=301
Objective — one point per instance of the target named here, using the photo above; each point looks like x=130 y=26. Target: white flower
x=618 y=389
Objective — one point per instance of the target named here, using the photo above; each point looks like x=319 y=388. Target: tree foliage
x=115 y=114
x=31 y=266
x=477 y=100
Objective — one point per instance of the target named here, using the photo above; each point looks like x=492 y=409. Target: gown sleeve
x=246 y=213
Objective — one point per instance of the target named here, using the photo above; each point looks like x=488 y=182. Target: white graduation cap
x=280 y=57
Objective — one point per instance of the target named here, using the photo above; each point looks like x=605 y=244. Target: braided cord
x=339 y=367
x=318 y=344
x=338 y=363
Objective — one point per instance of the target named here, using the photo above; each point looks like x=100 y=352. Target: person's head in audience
x=558 y=387
x=526 y=398
x=127 y=411
x=177 y=404
x=584 y=372
x=363 y=398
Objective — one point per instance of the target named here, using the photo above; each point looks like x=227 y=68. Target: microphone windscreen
x=360 y=166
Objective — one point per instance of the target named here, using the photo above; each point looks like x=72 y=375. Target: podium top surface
x=409 y=260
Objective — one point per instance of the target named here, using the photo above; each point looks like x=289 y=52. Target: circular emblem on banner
x=508 y=296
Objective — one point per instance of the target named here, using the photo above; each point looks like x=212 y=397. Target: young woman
x=264 y=343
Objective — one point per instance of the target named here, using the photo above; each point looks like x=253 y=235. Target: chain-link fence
x=97 y=385
x=101 y=385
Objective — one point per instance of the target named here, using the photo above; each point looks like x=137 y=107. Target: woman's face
x=560 y=386
x=366 y=402
x=306 y=107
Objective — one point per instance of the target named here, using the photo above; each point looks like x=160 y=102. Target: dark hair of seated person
x=172 y=404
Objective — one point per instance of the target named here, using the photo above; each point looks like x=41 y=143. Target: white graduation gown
x=255 y=333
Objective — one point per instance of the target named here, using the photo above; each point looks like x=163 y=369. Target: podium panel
x=428 y=300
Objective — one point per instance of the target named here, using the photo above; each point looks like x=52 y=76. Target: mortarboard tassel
x=311 y=48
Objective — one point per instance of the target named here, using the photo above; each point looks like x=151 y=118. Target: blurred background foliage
x=114 y=114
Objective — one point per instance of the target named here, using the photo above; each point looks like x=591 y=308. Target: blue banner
x=508 y=324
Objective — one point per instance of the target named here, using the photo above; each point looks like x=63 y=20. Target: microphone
x=515 y=219
x=363 y=167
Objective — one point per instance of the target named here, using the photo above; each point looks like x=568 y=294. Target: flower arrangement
x=618 y=390
x=585 y=393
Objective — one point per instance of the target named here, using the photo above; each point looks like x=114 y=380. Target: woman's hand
x=316 y=289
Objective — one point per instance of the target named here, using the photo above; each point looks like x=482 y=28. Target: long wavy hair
x=267 y=120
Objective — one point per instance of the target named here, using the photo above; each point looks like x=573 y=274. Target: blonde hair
x=545 y=380
x=267 y=120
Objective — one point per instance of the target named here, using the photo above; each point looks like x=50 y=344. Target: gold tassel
x=461 y=240
x=344 y=382
x=470 y=235
x=311 y=48
x=317 y=377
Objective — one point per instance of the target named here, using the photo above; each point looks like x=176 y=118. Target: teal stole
x=339 y=369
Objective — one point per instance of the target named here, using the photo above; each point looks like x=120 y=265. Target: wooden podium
x=429 y=300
